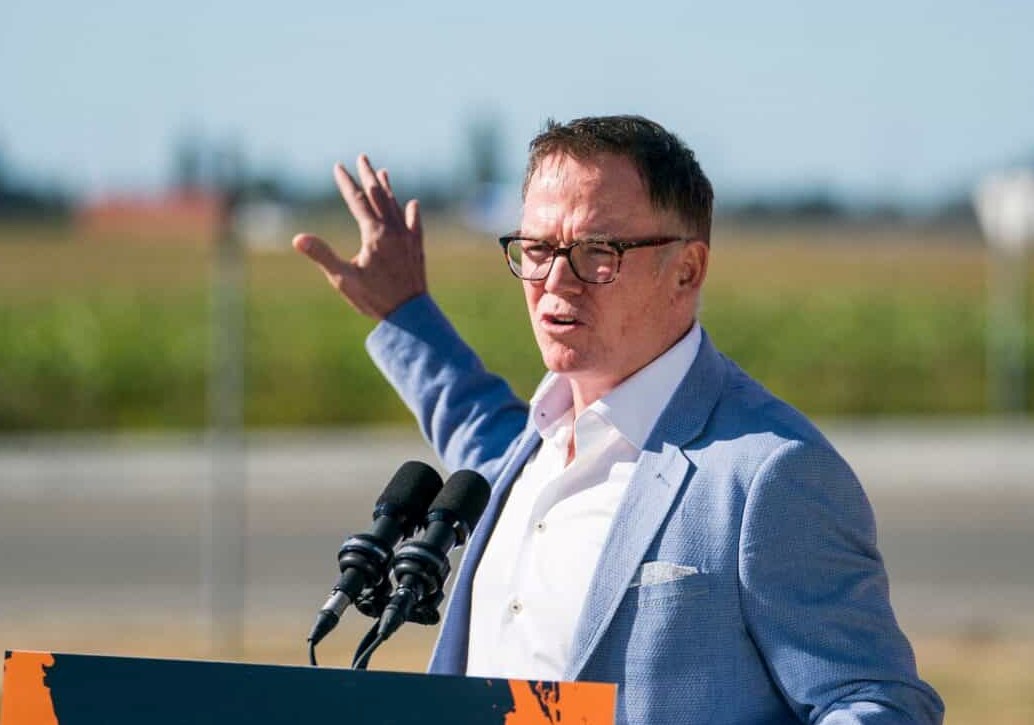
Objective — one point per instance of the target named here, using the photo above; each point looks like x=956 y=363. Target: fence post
x=225 y=517
x=1005 y=207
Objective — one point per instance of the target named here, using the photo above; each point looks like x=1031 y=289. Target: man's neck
x=585 y=391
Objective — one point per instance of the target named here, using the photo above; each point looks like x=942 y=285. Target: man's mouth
x=560 y=320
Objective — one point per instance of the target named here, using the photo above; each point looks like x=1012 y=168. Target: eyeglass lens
x=594 y=263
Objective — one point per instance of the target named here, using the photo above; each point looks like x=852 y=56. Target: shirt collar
x=633 y=407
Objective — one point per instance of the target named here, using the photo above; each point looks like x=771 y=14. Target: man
x=658 y=519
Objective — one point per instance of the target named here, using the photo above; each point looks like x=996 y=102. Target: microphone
x=364 y=559
x=422 y=566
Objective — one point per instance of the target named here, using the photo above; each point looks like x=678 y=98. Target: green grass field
x=104 y=334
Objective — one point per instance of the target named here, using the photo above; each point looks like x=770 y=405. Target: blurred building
x=182 y=215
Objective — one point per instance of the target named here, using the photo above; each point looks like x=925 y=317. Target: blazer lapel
x=659 y=475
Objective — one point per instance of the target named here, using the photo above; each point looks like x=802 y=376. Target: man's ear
x=692 y=263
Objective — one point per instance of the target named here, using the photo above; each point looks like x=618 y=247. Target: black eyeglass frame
x=620 y=246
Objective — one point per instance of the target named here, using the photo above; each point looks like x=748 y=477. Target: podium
x=44 y=688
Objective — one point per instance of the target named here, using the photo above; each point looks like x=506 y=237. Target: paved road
x=101 y=530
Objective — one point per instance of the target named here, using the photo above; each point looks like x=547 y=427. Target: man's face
x=599 y=334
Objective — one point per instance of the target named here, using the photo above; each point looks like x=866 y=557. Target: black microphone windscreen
x=466 y=495
x=411 y=490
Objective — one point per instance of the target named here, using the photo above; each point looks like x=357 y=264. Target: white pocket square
x=659 y=572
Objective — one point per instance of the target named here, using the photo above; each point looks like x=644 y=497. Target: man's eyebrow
x=591 y=237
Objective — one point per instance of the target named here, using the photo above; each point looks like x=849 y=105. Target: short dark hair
x=668 y=168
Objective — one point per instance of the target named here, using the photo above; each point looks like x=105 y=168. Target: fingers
x=374 y=200
x=355 y=198
x=389 y=193
x=378 y=189
x=413 y=222
x=372 y=185
x=382 y=178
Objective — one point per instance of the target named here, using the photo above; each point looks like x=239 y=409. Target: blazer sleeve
x=471 y=417
x=815 y=594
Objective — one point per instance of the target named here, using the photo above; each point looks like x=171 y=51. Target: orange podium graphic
x=29 y=699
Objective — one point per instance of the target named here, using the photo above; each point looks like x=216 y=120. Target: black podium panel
x=42 y=688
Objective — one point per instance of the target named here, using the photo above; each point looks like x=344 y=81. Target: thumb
x=338 y=272
x=319 y=252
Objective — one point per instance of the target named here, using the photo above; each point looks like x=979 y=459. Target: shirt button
x=516 y=607
x=540 y=526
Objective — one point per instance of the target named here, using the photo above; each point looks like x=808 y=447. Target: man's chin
x=566 y=358
x=570 y=364
x=566 y=364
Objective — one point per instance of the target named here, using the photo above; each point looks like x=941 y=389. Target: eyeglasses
x=592 y=262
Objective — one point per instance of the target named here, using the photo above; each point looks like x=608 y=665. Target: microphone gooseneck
x=365 y=559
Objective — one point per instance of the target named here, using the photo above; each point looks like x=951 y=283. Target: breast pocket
x=669 y=593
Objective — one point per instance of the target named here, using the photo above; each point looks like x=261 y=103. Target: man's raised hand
x=389 y=268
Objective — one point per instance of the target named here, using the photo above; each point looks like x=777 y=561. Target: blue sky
x=905 y=99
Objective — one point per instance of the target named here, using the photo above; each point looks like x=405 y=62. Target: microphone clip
x=363 y=554
x=372 y=601
x=422 y=566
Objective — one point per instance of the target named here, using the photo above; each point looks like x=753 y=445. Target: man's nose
x=561 y=276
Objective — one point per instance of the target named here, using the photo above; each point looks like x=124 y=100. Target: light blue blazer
x=787 y=618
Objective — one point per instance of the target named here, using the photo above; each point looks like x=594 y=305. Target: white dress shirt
x=531 y=583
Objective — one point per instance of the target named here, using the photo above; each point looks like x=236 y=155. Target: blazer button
x=516 y=607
